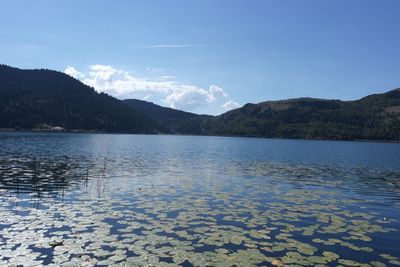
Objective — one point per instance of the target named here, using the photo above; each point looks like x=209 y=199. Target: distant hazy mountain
x=31 y=98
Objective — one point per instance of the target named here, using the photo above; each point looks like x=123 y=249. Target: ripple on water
x=79 y=207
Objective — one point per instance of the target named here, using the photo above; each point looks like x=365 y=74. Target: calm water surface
x=145 y=200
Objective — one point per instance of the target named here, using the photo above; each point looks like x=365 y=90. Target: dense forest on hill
x=375 y=117
x=30 y=99
x=168 y=120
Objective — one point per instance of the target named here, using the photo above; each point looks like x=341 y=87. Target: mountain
x=33 y=98
x=169 y=120
x=375 y=117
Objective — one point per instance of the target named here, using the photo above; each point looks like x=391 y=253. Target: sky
x=209 y=56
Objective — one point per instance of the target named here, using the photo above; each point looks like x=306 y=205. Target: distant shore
x=179 y=134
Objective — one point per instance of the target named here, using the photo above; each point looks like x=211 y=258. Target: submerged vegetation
x=165 y=225
x=92 y=210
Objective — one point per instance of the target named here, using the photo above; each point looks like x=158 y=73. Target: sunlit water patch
x=126 y=200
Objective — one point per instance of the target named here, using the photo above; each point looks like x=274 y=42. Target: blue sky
x=200 y=55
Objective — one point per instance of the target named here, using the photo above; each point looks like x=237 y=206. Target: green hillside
x=30 y=98
x=375 y=117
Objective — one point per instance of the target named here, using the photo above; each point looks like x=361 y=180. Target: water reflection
x=46 y=177
x=151 y=200
x=37 y=177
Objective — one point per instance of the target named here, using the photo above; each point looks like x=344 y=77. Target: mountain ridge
x=29 y=98
x=365 y=118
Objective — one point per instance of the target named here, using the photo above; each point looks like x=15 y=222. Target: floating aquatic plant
x=201 y=222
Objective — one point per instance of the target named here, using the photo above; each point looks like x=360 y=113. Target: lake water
x=140 y=200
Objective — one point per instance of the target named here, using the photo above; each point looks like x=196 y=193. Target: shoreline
x=199 y=135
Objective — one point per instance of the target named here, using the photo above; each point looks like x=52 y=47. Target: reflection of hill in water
x=42 y=177
x=53 y=176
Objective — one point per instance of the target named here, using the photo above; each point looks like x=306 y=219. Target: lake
x=139 y=200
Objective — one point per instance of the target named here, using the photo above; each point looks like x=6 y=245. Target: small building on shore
x=57 y=129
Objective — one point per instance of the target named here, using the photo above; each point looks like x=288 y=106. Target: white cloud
x=174 y=45
x=229 y=105
x=154 y=69
x=166 y=77
x=190 y=96
x=147 y=97
x=102 y=72
x=71 y=71
x=123 y=85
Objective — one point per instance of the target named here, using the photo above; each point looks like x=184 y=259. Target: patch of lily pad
x=193 y=221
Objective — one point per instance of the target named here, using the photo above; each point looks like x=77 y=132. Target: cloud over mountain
x=229 y=105
x=123 y=85
x=71 y=71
